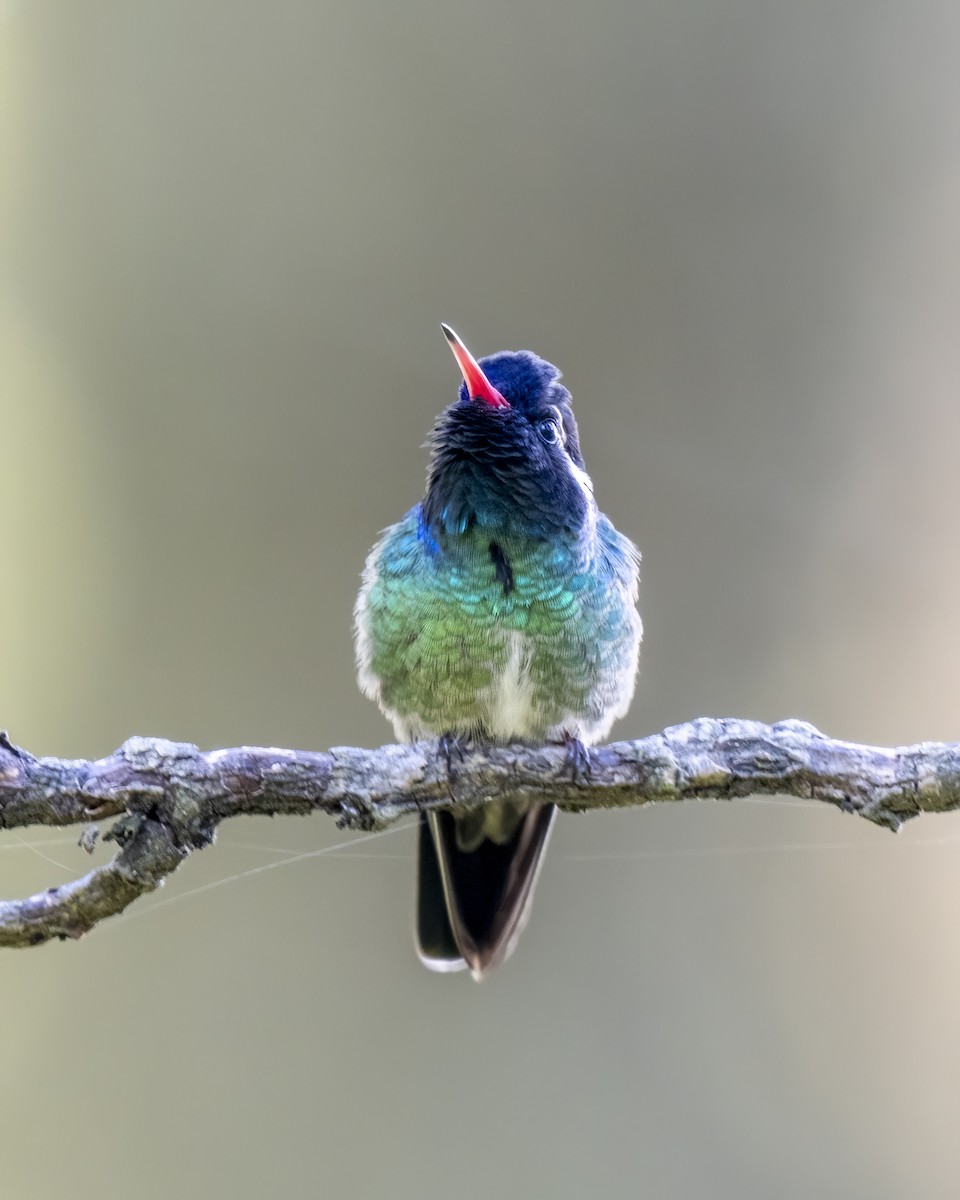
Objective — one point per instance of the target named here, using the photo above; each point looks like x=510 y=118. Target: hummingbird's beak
x=479 y=386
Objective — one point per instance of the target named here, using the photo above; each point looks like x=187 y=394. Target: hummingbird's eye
x=549 y=431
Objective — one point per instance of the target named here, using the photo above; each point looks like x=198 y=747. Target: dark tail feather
x=473 y=904
x=435 y=941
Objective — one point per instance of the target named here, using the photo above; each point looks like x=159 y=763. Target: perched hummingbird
x=501 y=608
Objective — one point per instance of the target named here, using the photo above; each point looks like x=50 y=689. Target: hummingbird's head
x=506 y=454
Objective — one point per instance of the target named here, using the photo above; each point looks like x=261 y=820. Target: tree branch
x=170 y=797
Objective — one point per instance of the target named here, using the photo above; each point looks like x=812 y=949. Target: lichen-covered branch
x=170 y=797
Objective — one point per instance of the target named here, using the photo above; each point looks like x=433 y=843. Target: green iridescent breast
x=503 y=638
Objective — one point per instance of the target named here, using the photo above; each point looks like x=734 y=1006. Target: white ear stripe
x=581 y=477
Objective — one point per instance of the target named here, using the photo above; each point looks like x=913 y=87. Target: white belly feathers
x=511 y=715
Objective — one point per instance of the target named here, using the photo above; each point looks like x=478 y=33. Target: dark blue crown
x=524 y=379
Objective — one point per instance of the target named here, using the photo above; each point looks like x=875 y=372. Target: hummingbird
x=502 y=608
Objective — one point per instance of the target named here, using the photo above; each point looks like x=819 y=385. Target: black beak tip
x=448 y=333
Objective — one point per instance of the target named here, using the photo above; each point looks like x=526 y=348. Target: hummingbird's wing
x=477 y=913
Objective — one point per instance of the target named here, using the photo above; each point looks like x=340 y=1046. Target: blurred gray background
x=228 y=232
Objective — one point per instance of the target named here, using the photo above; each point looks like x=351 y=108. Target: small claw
x=577 y=758
x=450 y=746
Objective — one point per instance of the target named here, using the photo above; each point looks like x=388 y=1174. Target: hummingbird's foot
x=451 y=746
x=577 y=758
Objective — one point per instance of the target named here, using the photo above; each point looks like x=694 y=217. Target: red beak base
x=479 y=386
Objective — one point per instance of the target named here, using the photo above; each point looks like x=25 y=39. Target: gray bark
x=169 y=797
